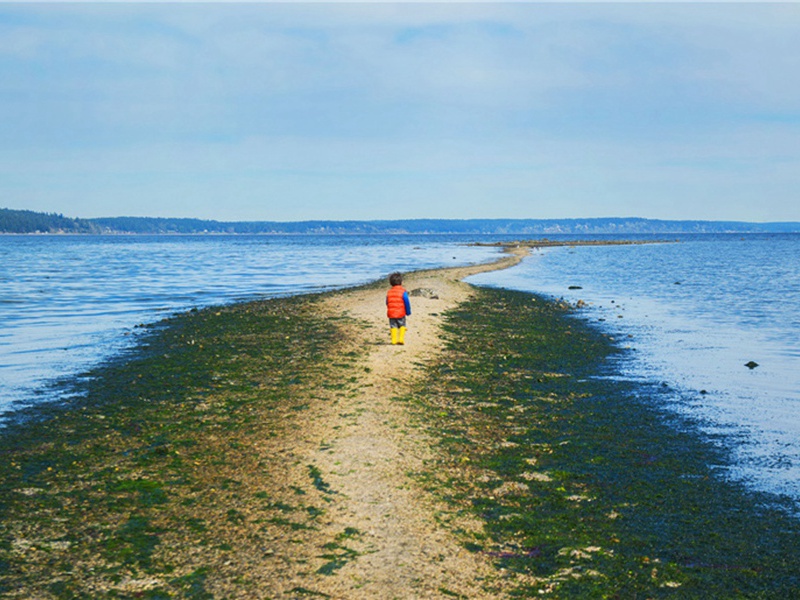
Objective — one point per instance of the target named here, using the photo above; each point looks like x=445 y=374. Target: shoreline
x=548 y=243
x=282 y=448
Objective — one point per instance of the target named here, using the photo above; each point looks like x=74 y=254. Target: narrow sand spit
x=364 y=447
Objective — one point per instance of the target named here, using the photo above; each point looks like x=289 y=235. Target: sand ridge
x=365 y=448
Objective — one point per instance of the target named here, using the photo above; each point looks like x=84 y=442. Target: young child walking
x=398 y=307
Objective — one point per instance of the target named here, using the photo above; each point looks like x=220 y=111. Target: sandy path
x=365 y=446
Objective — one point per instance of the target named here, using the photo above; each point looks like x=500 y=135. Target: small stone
x=751 y=365
x=511 y=488
x=424 y=293
x=534 y=476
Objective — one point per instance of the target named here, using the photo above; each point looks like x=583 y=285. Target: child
x=397 y=307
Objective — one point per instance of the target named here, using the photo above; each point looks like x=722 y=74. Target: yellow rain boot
x=402 y=339
x=394 y=335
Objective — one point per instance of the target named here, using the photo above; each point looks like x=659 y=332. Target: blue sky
x=294 y=111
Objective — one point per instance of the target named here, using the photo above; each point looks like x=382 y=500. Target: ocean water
x=693 y=314
x=68 y=302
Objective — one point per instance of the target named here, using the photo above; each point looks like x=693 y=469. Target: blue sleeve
x=407 y=303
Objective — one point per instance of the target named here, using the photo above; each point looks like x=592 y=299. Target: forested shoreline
x=31 y=222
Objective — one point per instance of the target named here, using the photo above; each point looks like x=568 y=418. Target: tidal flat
x=173 y=470
x=580 y=479
x=147 y=483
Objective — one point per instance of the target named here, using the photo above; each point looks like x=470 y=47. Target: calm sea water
x=67 y=302
x=694 y=313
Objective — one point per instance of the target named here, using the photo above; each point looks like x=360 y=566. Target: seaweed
x=134 y=484
x=586 y=487
x=166 y=474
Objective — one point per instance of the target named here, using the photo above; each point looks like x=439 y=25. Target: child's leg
x=395 y=335
x=401 y=339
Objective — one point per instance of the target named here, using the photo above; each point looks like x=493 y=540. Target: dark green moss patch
x=301 y=591
x=133 y=543
x=337 y=554
x=193 y=585
x=586 y=488
x=318 y=481
x=150 y=481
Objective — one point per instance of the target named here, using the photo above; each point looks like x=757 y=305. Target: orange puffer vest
x=395 y=307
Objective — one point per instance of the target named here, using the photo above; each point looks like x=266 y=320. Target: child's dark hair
x=395 y=279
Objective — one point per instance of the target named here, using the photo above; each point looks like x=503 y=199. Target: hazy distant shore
x=547 y=243
x=22 y=221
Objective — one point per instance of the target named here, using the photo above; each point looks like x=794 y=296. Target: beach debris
x=424 y=293
x=751 y=365
x=138 y=586
x=531 y=553
x=579 y=553
x=510 y=488
x=536 y=476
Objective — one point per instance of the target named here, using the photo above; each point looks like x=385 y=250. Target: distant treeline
x=24 y=221
x=27 y=221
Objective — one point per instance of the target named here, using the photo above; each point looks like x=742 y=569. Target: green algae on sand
x=172 y=476
x=586 y=488
x=155 y=481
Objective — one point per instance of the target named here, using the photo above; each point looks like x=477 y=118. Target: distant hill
x=24 y=221
x=27 y=221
